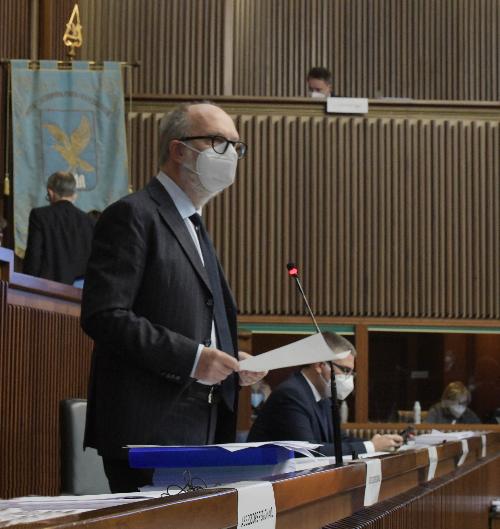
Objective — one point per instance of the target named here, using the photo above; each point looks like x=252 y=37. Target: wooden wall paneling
x=362 y=373
x=143 y=127
x=423 y=50
x=180 y=44
x=493 y=208
x=44 y=358
x=444 y=502
x=386 y=215
x=15 y=29
x=53 y=16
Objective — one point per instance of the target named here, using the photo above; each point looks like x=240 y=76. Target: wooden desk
x=458 y=498
x=45 y=357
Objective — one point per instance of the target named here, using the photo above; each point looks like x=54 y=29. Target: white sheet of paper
x=306 y=351
x=256 y=505
x=433 y=461
x=465 y=451
x=483 y=445
x=373 y=480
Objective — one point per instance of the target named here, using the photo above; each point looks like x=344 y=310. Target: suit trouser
x=123 y=478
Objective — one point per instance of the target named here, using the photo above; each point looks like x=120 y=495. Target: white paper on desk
x=483 y=445
x=465 y=451
x=306 y=351
x=373 y=480
x=433 y=461
x=256 y=505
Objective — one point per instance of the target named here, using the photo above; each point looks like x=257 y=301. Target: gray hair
x=63 y=184
x=176 y=124
x=339 y=344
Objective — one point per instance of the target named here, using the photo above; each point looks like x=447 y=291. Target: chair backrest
x=82 y=470
x=408 y=415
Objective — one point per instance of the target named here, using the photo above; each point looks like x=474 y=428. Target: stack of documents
x=29 y=509
x=437 y=437
x=213 y=465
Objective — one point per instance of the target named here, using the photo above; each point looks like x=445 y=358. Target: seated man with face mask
x=299 y=409
x=453 y=407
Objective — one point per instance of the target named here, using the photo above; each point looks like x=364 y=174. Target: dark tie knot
x=195 y=218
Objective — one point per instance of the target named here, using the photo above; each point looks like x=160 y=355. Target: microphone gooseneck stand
x=337 y=438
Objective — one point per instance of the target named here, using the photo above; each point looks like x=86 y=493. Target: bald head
x=193 y=119
x=211 y=120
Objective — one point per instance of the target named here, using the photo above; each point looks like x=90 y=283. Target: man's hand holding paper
x=247 y=378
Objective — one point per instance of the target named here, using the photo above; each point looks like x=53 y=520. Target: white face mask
x=457 y=410
x=316 y=94
x=215 y=171
x=344 y=384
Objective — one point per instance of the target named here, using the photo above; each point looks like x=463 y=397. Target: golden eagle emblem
x=70 y=147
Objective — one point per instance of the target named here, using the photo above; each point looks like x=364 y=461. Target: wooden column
x=362 y=364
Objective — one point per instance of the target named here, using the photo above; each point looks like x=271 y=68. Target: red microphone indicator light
x=292 y=270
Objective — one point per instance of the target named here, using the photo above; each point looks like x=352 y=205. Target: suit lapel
x=175 y=222
x=315 y=406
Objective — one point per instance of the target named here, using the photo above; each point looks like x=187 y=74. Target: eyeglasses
x=345 y=370
x=220 y=144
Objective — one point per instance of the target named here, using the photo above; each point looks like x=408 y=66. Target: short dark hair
x=63 y=184
x=320 y=72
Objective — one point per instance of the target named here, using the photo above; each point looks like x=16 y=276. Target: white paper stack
x=437 y=437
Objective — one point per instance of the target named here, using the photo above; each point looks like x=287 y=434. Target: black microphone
x=337 y=437
x=294 y=272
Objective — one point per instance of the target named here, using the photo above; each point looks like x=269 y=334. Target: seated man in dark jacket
x=299 y=408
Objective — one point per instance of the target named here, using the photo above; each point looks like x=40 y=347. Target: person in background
x=299 y=409
x=319 y=82
x=453 y=407
x=59 y=235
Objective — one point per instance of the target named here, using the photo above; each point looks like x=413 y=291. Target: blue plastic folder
x=206 y=456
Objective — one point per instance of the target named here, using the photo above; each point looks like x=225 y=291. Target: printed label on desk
x=483 y=445
x=347 y=105
x=373 y=480
x=433 y=461
x=256 y=505
x=465 y=451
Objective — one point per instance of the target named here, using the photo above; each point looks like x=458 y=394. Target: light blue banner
x=67 y=120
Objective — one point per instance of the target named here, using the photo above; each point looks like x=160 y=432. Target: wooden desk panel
x=44 y=358
x=334 y=496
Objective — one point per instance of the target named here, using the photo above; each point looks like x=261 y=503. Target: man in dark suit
x=299 y=408
x=158 y=306
x=59 y=235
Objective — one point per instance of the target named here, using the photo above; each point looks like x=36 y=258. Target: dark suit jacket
x=59 y=242
x=291 y=413
x=147 y=304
